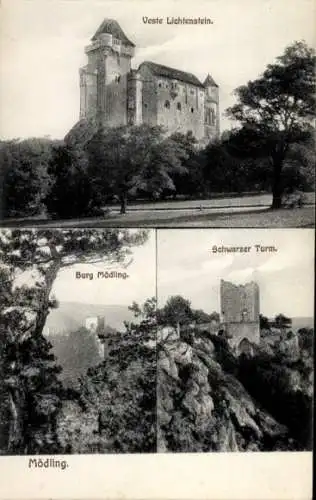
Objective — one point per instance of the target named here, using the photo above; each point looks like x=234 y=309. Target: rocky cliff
x=206 y=404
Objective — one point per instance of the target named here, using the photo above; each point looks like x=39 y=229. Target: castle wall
x=236 y=332
x=186 y=107
x=134 y=99
x=117 y=96
x=117 y=68
x=212 y=117
x=149 y=97
x=239 y=303
x=88 y=92
x=240 y=312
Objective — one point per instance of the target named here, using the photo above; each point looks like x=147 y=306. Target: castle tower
x=134 y=105
x=240 y=310
x=211 y=109
x=104 y=80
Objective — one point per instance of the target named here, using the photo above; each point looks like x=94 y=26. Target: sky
x=188 y=267
x=140 y=266
x=139 y=286
x=42 y=47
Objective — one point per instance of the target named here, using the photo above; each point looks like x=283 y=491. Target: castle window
x=159 y=85
x=145 y=105
x=118 y=78
x=179 y=106
x=244 y=315
x=167 y=104
x=212 y=117
x=192 y=110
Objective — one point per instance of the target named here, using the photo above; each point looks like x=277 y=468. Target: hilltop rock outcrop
x=204 y=404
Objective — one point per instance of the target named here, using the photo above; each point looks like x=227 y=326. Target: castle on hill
x=114 y=94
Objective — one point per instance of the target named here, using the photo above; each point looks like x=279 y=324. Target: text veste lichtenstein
x=177 y=20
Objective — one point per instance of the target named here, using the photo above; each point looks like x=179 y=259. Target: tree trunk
x=123 y=204
x=43 y=309
x=277 y=189
x=15 y=438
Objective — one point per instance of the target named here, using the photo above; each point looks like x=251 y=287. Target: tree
x=44 y=253
x=31 y=392
x=276 y=110
x=176 y=312
x=189 y=180
x=282 y=321
x=264 y=322
x=26 y=180
x=73 y=193
x=126 y=160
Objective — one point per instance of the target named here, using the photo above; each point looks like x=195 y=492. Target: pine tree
x=30 y=387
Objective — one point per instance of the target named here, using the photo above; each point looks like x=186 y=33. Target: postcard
x=157 y=213
x=158 y=114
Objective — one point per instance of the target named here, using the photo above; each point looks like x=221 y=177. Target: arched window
x=212 y=117
x=192 y=110
x=167 y=104
x=179 y=106
x=244 y=315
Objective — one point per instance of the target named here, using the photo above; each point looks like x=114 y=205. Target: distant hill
x=303 y=322
x=69 y=316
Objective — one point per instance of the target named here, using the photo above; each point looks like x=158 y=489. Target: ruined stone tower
x=114 y=94
x=240 y=310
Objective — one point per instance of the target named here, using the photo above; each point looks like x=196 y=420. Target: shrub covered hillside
x=209 y=399
x=114 y=408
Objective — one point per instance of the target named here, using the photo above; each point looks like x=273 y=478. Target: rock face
x=203 y=407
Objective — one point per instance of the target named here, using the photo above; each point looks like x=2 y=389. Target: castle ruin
x=114 y=94
x=96 y=325
x=240 y=309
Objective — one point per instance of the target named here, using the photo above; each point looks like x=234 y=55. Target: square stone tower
x=104 y=81
x=240 y=309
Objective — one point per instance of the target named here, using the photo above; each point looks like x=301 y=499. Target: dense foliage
x=272 y=149
x=29 y=387
x=276 y=111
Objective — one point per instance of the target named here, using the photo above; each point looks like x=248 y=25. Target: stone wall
x=180 y=107
x=239 y=302
x=236 y=332
x=116 y=96
x=240 y=312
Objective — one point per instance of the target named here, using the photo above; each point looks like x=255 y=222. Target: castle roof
x=175 y=74
x=112 y=27
x=209 y=82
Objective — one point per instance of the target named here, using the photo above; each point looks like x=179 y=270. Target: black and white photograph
x=138 y=113
x=235 y=340
x=157 y=233
x=77 y=342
